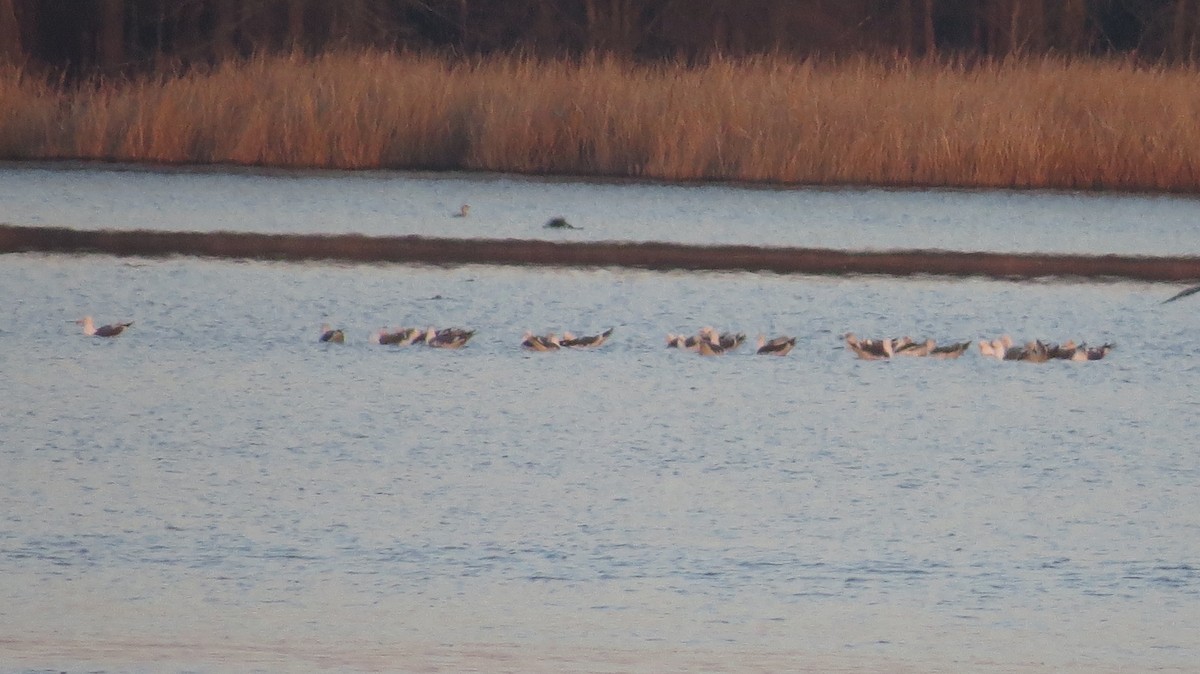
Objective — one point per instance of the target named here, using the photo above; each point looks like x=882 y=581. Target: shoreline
x=658 y=256
x=270 y=170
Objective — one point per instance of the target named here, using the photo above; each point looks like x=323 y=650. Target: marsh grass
x=1017 y=123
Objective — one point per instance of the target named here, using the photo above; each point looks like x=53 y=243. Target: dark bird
x=712 y=344
x=328 y=334
x=90 y=329
x=779 y=346
x=448 y=338
x=869 y=349
x=398 y=336
x=950 y=351
x=588 y=342
x=559 y=222
x=675 y=341
x=1183 y=293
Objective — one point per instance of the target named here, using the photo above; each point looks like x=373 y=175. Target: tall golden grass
x=1016 y=123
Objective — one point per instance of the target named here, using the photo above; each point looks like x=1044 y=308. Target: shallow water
x=216 y=491
x=503 y=206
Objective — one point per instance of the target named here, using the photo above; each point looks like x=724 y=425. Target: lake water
x=216 y=491
x=388 y=203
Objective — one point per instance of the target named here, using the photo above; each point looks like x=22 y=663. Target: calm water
x=215 y=491
x=383 y=203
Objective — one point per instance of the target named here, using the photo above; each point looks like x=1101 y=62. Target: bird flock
x=708 y=342
x=1001 y=348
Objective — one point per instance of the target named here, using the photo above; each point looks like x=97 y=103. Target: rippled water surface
x=216 y=491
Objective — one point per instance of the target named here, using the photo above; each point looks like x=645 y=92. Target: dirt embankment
x=660 y=256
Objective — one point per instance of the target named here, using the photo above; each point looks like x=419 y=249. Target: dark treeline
x=128 y=36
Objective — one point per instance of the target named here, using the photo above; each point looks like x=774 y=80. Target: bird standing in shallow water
x=90 y=329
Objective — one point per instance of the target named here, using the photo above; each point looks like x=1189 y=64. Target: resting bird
x=559 y=222
x=399 y=336
x=869 y=349
x=1099 y=352
x=950 y=351
x=448 y=338
x=907 y=347
x=90 y=329
x=328 y=334
x=728 y=341
x=682 y=342
x=779 y=346
x=534 y=342
x=588 y=342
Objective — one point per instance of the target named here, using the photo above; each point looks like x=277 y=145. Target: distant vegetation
x=1025 y=93
x=1029 y=122
x=81 y=37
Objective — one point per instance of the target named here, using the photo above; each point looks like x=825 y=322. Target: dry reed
x=1018 y=123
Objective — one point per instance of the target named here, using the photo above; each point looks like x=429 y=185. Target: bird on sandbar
x=112 y=330
x=463 y=211
x=559 y=222
x=328 y=334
